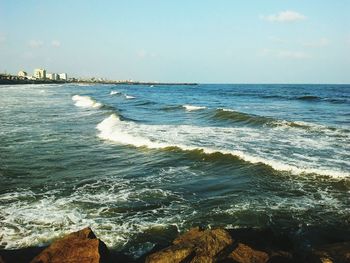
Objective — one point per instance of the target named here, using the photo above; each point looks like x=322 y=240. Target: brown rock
x=333 y=253
x=194 y=246
x=77 y=247
x=1 y=260
x=245 y=254
x=170 y=255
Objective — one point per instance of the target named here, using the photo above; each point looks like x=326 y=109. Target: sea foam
x=229 y=141
x=193 y=108
x=86 y=102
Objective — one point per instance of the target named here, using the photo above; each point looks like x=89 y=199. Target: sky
x=203 y=41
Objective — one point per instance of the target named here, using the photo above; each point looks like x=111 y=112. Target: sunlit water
x=131 y=161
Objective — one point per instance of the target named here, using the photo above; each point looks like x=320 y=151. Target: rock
x=332 y=253
x=245 y=254
x=282 y=257
x=1 y=260
x=194 y=246
x=77 y=247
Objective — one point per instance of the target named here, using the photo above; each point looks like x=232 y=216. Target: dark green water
x=131 y=161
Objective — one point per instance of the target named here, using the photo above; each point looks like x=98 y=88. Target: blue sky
x=207 y=41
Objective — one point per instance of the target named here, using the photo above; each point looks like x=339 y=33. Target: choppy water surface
x=130 y=161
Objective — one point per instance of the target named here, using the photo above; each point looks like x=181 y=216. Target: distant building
x=40 y=73
x=63 y=76
x=22 y=74
x=53 y=76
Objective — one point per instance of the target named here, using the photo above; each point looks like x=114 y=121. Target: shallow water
x=133 y=160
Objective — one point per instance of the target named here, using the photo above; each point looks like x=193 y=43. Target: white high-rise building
x=22 y=74
x=40 y=73
x=63 y=76
x=53 y=76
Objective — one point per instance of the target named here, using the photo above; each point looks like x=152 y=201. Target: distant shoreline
x=48 y=81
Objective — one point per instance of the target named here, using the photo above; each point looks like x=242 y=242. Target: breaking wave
x=256 y=120
x=193 y=108
x=114 y=92
x=86 y=102
x=227 y=141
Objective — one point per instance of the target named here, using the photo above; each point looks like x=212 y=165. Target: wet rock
x=21 y=255
x=282 y=257
x=194 y=246
x=245 y=254
x=332 y=253
x=81 y=246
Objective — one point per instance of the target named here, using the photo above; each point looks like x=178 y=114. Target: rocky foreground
x=196 y=245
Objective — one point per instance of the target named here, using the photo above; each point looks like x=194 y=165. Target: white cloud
x=322 y=42
x=55 y=43
x=292 y=54
x=284 y=16
x=142 y=53
x=283 y=54
x=348 y=41
x=35 y=43
x=2 y=38
x=277 y=39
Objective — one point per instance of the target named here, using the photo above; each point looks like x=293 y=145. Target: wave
x=144 y=103
x=86 y=102
x=114 y=92
x=193 y=108
x=172 y=108
x=236 y=116
x=30 y=225
x=337 y=100
x=163 y=137
x=308 y=97
x=256 y=120
x=128 y=97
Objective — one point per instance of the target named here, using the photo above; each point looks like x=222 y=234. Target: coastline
x=113 y=82
x=242 y=245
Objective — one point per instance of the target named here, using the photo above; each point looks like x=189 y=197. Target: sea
x=141 y=163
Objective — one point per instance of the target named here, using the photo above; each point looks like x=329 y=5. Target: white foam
x=193 y=108
x=114 y=92
x=25 y=221
x=244 y=143
x=110 y=129
x=86 y=102
x=128 y=97
x=224 y=109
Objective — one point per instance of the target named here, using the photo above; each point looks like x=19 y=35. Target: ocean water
x=140 y=163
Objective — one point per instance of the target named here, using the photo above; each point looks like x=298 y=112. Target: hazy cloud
x=276 y=39
x=284 y=16
x=322 y=42
x=35 y=43
x=348 y=40
x=286 y=54
x=292 y=54
x=2 y=38
x=141 y=53
x=55 y=43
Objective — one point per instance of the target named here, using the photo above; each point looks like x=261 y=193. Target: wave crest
x=86 y=102
x=193 y=108
x=188 y=138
